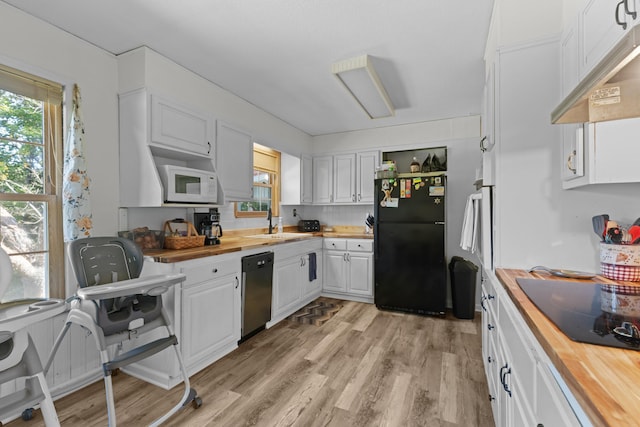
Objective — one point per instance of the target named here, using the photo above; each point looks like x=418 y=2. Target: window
x=266 y=184
x=30 y=170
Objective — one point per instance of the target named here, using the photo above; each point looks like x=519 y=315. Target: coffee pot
x=209 y=226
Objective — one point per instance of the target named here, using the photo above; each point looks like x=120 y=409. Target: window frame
x=261 y=150
x=53 y=147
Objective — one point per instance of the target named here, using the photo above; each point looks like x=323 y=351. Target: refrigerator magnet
x=402 y=188
x=436 y=190
x=408 y=189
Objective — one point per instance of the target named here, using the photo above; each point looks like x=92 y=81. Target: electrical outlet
x=295 y=213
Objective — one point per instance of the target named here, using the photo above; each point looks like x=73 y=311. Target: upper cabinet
x=234 y=162
x=366 y=164
x=155 y=131
x=296 y=185
x=603 y=24
x=345 y=178
x=179 y=127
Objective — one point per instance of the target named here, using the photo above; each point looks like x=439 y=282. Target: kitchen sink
x=279 y=236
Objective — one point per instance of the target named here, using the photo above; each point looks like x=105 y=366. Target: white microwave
x=186 y=185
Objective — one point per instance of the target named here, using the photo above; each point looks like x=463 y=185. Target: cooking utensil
x=563 y=273
x=636 y=222
x=634 y=231
x=599 y=224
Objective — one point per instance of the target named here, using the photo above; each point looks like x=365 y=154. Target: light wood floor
x=364 y=367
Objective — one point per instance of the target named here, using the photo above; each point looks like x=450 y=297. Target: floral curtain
x=76 y=194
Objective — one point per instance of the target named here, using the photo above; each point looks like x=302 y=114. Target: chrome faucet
x=269 y=219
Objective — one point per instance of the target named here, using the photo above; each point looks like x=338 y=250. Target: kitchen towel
x=468 y=239
x=312 y=267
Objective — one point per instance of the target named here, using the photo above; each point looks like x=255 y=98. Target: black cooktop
x=589 y=312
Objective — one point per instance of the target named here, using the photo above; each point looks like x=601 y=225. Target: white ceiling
x=277 y=54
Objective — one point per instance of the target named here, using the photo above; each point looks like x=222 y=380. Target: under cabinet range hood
x=610 y=91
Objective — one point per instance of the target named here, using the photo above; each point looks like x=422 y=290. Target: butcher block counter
x=240 y=240
x=604 y=380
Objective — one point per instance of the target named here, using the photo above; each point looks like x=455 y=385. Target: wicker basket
x=191 y=240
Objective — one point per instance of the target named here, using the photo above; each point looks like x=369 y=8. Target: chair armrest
x=148 y=285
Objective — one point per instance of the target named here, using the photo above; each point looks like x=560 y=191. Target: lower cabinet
x=522 y=390
x=205 y=312
x=348 y=268
x=293 y=282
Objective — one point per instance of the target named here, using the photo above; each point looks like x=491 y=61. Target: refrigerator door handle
x=439 y=222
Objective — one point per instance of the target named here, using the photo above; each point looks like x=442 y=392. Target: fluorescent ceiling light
x=362 y=82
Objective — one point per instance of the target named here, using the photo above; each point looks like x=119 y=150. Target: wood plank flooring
x=363 y=367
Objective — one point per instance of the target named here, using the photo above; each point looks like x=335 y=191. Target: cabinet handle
x=621 y=23
x=489 y=296
x=483 y=147
x=491 y=398
x=628 y=12
x=215 y=270
x=482 y=303
x=237 y=282
x=344 y=257
x=490 y=326
x=301 y=261
x=570 y=162
x=489 y=359
x=359 y=197
x=349 y=257
x=209 y=149
x=504 y=371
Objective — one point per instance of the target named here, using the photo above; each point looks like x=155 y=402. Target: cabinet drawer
x=210 y=270
x=335 y=244
x=360 y=245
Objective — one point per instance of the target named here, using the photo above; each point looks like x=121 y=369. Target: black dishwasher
x=257 y=277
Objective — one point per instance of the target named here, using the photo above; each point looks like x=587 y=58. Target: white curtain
x=76 y=193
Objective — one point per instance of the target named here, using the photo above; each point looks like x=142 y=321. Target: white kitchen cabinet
x=234 y=162
x=348 y=268
x=322 y=179
x=205 y=313
x=603 y=23
x=366 y=164
x=306 y=166
x=487 y=121
x=154 y=131
x=606 y=153
x=296 y=185
x=292 y=288
x=522 y=390
x=211 y=306
x=181 y=127
x=344 y=178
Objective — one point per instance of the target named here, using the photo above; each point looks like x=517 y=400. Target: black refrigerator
x=409 y=233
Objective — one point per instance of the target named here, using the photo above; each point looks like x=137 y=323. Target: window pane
x=28 y=279
x=260 y=177
x=21 y=146
x=23 y=226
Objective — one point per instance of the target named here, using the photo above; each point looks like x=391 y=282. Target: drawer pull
x=490 y=326
x=215 y=270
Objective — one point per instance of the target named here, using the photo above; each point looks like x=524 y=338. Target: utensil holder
x=620 y=262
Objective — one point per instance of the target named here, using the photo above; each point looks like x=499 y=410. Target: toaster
x=309 y=225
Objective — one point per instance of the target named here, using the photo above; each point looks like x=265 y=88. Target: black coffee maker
x=208 y=224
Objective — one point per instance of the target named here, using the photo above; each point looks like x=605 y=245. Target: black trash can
x=463 y=275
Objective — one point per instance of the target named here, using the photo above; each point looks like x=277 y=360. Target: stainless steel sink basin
x=279 y=236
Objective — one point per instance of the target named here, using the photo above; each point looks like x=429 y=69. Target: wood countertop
x=604 y=380
x=235 y=243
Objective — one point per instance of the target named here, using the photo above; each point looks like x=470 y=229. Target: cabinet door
x=335 y=273
x=234 y=162
x=552 y=407
x=360 y=273
x=311 y=287
x=306 y=196
x=323 y=179
x=366 y=167
x=209 y=317
x=344 y=186
x=573 y=156
x=488 y=127
x=286 y=285
x=180 y=127
x=600 y=31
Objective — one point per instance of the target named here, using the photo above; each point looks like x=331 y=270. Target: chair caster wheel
x=27 y=414
x=197 y=402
